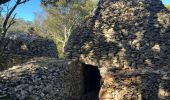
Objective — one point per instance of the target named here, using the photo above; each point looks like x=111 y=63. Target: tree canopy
x=9 y=18
x=168 y=6
x=62 y=17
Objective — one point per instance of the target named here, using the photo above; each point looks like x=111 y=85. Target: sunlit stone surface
x=131 y=36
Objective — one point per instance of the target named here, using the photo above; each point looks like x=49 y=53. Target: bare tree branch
x=5 y=24
x=21 y=2
x=12 y=21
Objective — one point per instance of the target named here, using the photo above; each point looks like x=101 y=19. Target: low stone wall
x=42 y=79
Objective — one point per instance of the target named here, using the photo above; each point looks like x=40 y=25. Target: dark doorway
x=92 y=80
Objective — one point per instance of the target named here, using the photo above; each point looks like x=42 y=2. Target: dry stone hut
x=129 y=42
x=17 y=50
x=30 y=70
x=29 y=45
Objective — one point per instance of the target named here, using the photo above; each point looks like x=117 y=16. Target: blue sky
x=166 y=1
x=26 y=11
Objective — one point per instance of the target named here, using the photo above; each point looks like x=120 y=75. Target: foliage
x=20 y=26
x=9 y=18
x=167 y=6
x=61 y=18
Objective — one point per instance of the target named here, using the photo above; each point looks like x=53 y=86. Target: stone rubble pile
x=42 y=79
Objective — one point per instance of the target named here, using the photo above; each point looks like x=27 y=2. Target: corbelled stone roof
x=123 y=34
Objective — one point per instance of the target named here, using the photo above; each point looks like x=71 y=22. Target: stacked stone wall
x=42 y=79
x=29 y=47
x=127 y=34
x=135 y=85
x=20 y=50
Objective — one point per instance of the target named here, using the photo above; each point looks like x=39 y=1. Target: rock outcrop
x=42 y=79
x=129 y=39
